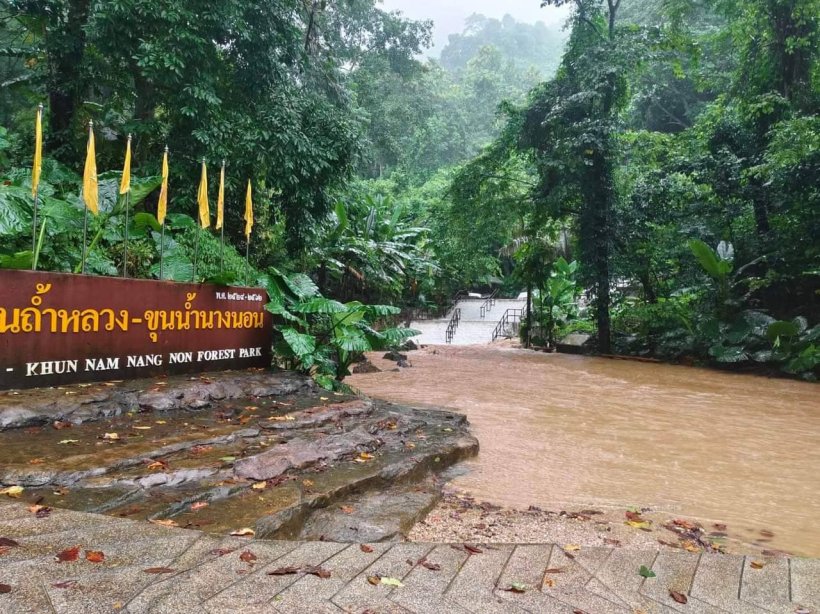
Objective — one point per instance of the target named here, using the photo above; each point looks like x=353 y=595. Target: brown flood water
x=565 y=431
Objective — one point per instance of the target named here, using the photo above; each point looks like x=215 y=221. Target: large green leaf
x=176 y=265
x=18 y=260
x=707 y=258
x=15 y=210
x=781 y=328
x=352 y=340
x=320 y=305
x=301 y=285
x=301 y=344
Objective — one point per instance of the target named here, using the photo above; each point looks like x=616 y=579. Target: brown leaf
x=198 y=505
x=472 y=549
x=159 y=570
x=365 y=548
x=756 y=565
x=222 y=551
x=685 y=524
x=346 y=509
x=612 y=542
x=70 y=554
x=4 y=588
x=679 y=597
x=515 y=587
x=244 y=532
x=315 y=570
x=555 y=570
x=634 y=516
x=58 y=425
x=165 y=522
x=94 y=556
x=37 y=461
x=766 y=533
x=66 y=584
x=157 y=465
x=430 y=566
x=285 y=571
x=719 y=526
x=374 y=580
x=39 y=511
x=5 y=541
x=247 y=557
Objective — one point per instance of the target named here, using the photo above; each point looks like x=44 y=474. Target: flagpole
x=247 y=262
x=36 y=196
x=164 y=211
x=85 y=212
x=222 y=228
x=127 y=204
x=196 y=253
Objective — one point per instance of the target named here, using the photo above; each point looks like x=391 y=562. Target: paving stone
x=805 y=582
x=717 y=583
x=423 y=589
x=619 y=577
x=474 y=586
x=675 y=571
x=359 y=594
x=768 y=587
x=255 y=591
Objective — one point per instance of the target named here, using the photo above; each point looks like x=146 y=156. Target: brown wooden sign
x=57 y=328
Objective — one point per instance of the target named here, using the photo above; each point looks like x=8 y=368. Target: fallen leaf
x=315 y=570
x=61 y=492
x=690 y=546
x=346 y=509
x=94 y=556
x=307 y=483
x=158 y=570
x=689 y=526
x=37 y=461
x=10 y=543
x=228 y=459
x=59 y=425
x=719 y=526
x=159 y=464
x=323 y=399
x=111 y=436
x=679 y=597
x=431 y=566
x=285 y=571
x=67 y=555
x=244 y=532
x=198 y=505
x=67 y=442
x=472 y=549
x=4 y=588
x=165 y=522
x=555 y=570
x=374 y=580
x=516 y=587
x=39 y=511
x=646 y=572
x=160 y=422
x=143 y=428
x=612 y=542
x=365 y=548
x=365 y=456
x=247 y=557
x=222 y=551
x=549 y=582
x=66 y=584
x=639 y=524
x=391 y=582
x=12 y=491
x=766 y=533
x=572 y=548
x=756 y=565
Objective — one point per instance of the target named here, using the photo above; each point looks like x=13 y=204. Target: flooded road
x=559 y=430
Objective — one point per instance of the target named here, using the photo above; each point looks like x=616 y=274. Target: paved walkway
x=150 y=568
x=473 y=329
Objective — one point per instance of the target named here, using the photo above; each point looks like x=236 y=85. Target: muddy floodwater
x=558 y=430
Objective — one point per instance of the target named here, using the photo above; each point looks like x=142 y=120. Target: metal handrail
x=432 y=313
x=488 y=304
x=452 y=326
x=510 y=314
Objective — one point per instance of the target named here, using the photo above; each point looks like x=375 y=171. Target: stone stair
x=472 y=330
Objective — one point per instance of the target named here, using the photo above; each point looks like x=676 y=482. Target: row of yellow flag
x=91 y=190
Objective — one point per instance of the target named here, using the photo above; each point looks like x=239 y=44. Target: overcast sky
x=449 y=15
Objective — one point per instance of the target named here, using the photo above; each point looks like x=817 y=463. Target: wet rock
x=395 y=356
x=366 y=367
x=157 y=401
x=403 y=364
x=319 y=416
x=409 y=346
x=17 y=417
x=175 y=478
x=374 y=517
x=300 y=453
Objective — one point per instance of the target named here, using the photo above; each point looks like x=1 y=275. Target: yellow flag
x=248 y=212
x=220 y=199
x=202 y=199
x=125 y=182
x=38 y=151
x=90 y=192
x=162 y=206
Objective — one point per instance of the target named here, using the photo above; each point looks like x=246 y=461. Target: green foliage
x=323 y=337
